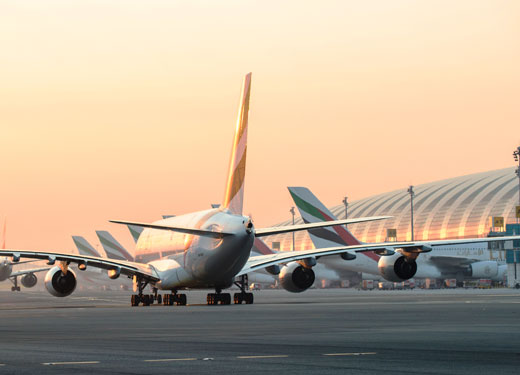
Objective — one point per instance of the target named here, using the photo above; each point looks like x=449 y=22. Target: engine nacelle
x=58 y=284
x=502 y=274
x=483 y=270
x=296 y=278
x=397 y=267
x=29 y=280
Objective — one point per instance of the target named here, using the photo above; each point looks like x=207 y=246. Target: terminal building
x=459 y=207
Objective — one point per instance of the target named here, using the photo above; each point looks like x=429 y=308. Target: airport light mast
x=412 y=195
x=516 y=155
x=293 y=213
x=345 y=202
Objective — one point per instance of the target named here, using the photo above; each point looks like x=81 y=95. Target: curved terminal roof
x=458 y=207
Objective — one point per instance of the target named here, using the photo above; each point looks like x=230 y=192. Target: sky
x=126 y=109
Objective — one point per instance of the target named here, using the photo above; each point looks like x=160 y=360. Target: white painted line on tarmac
x=70 y=363
x=170 y=359
x=350 y=354
x=262 y=356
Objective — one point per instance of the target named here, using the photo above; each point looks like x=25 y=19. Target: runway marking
x=170 y=359
x=350 y=354
x=70 y=363
x=262 y=356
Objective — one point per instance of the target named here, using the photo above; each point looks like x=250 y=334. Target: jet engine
x=483 y=270
x=29 y=280
x=502 y=274
x=397 y=267
x=295 y=278
x=59 y=284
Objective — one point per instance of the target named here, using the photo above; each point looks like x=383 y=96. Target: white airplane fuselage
x=426 y=268
x=192 y=261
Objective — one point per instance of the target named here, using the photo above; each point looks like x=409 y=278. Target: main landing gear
x=145 y=299
x=149 y=299
x=243 y=296
x=174 y=298
x=216 y=298
x=15 y=287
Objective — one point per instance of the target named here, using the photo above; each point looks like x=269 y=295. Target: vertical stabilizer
x=313 y=211
x=113 y=248
x=135 y=231
x=234 y=194
x=85 y=248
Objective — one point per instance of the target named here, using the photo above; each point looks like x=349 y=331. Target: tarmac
x=326 y=331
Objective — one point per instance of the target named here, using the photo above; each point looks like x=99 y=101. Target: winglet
x=234 y=194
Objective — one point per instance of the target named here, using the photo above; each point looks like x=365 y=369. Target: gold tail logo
x=234 y=196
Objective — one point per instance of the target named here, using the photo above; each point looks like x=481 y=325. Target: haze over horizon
x=126 y=109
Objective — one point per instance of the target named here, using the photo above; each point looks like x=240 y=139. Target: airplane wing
x=195 y=231
x=294 y=228
x=126 y=268
x=451 y=261
x=386 y=248
x=25 y=272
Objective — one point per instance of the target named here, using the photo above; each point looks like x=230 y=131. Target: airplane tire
x=152 y=299
x=237 y=298
x=134 y=300
x=159 y=299
x=225 y=299
x=249 y=298
x=212 y=299
x=146 y=300
x=181 y=299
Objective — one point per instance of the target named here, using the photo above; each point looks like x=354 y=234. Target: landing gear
x=178 y=299
x=15 y=287
x=238 y=298
x=243 y=296
x=216 y=298
x=145 y=299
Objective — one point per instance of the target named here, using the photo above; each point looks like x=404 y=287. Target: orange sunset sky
x=126 y=109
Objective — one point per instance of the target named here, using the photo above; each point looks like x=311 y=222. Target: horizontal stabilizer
x=194 y=231
x=293 y=228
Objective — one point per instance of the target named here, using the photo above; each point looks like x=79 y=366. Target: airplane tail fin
x=313 y=211
x=84 y=247
x=135 y=231
x=234 y=194
x=113 y=248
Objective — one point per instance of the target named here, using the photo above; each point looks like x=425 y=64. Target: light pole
x=293 y=213
x=345 y=202
x=412 y=195
x=516 y=155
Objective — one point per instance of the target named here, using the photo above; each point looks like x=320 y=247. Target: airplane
x=112 y=247
x=208 y=249
x=84 y=247
x=28 y=277
x=445 y=261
